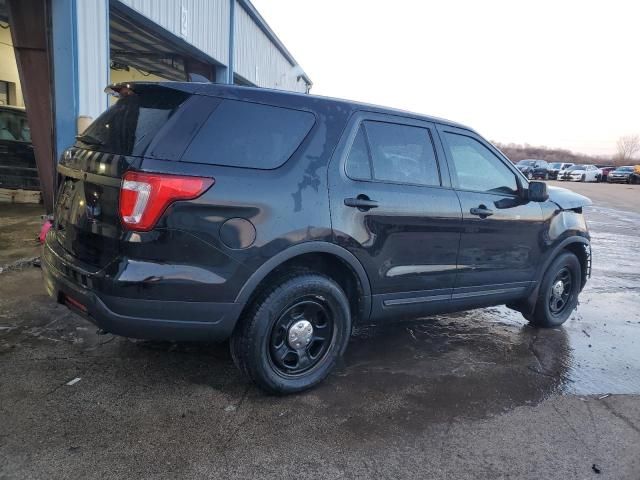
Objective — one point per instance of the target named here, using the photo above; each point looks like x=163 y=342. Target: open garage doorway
x=18 y=173
x=141 y=51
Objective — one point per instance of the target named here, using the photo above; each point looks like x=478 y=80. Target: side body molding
x=301 y=249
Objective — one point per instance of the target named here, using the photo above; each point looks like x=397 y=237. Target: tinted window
x=133 y=121
x=242 y=134
x=358 y=166
x=14 y=126
x=477 y=168
x=402 y=153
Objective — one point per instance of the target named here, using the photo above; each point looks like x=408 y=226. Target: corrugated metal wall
x=258 y=60
x=93 y=56
x=207 y=22
x=202 y=23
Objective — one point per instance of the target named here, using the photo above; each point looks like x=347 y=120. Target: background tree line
x=628 y=151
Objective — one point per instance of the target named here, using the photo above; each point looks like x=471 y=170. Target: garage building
x=56 y=57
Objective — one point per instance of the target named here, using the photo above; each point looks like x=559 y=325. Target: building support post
x=232 y=35
x=30 y=35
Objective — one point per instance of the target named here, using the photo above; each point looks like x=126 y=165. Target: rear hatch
x=87 y=223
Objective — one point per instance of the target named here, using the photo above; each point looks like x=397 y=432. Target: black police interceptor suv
x=279 y=221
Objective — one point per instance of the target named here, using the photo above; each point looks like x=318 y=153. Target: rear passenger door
x=392 y=207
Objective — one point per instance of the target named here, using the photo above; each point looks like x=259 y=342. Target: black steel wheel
x=301 y=336
x=558 y=292
x=293 y=333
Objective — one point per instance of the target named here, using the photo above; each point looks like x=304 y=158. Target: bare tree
x=628 y=147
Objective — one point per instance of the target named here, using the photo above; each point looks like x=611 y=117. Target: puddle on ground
x=486 y=361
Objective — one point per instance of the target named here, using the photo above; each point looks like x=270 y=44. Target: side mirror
x=537 y=192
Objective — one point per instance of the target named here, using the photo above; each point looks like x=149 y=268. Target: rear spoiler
x=127 y=88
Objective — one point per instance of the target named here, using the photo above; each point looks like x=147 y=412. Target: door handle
x=481 y=211
x=361 y=202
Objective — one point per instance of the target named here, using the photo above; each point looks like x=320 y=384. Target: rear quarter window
x=129 y=126
x=249 y=135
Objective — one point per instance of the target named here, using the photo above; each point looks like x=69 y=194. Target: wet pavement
x=478 y=394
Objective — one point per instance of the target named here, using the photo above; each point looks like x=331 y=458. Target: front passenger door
x=500 y=248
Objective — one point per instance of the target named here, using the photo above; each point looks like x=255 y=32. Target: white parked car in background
x=557 y=169
x=581 y=173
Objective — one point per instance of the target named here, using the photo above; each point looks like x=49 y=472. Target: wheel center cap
x=300 y=334
x=558 y=288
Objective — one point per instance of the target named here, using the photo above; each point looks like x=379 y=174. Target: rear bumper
x=139 y=318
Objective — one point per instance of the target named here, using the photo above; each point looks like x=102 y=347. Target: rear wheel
x=558 y=294
x=293 y=334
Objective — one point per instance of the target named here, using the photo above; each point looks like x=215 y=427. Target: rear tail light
x=145 y=196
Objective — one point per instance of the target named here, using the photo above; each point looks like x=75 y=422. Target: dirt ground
x=19 y=228
x=465 y=396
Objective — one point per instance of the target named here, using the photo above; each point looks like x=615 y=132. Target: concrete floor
x=472 y=395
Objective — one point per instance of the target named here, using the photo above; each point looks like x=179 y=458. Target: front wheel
x=293 y=334
x=583 y=178
x=558 y=294
x=529 y=175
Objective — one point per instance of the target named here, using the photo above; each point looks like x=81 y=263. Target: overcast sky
x=547 y=72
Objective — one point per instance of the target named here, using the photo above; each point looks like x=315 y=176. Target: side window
x=402 y=153
x=477 y=168
x=249 y=135
x=25 y=131
x=8 y=126
x=358 y=166
x=396 y=153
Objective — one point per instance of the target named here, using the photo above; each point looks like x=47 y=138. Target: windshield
x=555 y=165
x=624 y=169
x=527 y=163
x=578 y=167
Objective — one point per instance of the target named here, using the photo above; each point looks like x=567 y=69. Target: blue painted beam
x=65 y=73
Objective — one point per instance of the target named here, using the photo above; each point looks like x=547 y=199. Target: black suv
x=280 y=220
x=533 y=169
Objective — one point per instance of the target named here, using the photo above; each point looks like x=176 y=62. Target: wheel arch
x=580 y=247
x=330 y=259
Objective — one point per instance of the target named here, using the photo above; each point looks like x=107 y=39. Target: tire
x=259 y=343
x=584 y=178
x=544 y=315
x=546 y=176
x=529 y=175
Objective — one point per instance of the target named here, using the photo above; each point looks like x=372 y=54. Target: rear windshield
x=250 y=135
x=129 y=126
